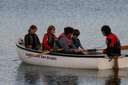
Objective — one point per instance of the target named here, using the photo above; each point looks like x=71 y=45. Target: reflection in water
x=36 y=75
x=42 y=75
x=61 y=80
x=31 y=77
x=114 y=79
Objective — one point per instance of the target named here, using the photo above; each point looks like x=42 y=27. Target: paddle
x=94 y=50
x=45 y=52
x=124 y=47
x=54 y=50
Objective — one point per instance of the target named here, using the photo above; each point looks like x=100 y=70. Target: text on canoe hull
x=41 y=56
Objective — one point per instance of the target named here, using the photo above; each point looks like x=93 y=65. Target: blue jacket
x=77 y=43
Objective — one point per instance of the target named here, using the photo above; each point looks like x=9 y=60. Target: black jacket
x=33 y=40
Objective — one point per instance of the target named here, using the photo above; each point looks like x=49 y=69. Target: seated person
x=31 y=40
x=65 y=41
x=49 y=39
x=76 y=40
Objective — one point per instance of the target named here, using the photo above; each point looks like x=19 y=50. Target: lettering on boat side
x=41 y=56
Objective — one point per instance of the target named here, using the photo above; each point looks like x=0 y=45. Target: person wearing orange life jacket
x=113 y=43
x=49 y=39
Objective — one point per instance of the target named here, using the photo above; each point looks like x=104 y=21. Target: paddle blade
x=124 y=47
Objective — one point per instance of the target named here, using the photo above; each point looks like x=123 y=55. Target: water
x=87 y=15
x=36 y=75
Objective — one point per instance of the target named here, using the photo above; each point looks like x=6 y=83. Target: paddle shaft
x=124 y=47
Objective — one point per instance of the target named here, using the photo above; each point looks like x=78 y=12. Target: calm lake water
x=87 y=15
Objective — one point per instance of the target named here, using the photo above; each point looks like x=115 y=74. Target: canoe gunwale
x=77 y=55
x=27 y=49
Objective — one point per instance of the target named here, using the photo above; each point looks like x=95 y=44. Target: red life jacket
x=111 y=40
x=113 y=45
x=48 y=41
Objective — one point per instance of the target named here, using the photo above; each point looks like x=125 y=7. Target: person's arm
x=108 y=42
x=38 y=43
x=27 y=41
x=80 y=44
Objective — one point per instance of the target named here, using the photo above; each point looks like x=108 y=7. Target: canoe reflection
x=43 y=75
x=37 y=75
x=31 y=77
x=61 y=80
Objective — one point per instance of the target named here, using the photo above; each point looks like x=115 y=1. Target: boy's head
x=105 y=29
x=76 y=32
x=68 y=31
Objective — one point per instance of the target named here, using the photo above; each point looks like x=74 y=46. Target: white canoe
x=87 y=61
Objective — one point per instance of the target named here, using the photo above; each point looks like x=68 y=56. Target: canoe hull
x=68 y=62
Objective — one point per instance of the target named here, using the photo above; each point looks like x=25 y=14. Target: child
x=31 y=39
x=76 y=40
x=49 y=39
x=113 y=43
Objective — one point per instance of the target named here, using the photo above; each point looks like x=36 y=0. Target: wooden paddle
x=124 y=47
x=47 y=51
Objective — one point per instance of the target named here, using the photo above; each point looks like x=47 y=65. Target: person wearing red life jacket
x=113 y=43
x=49 y=39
